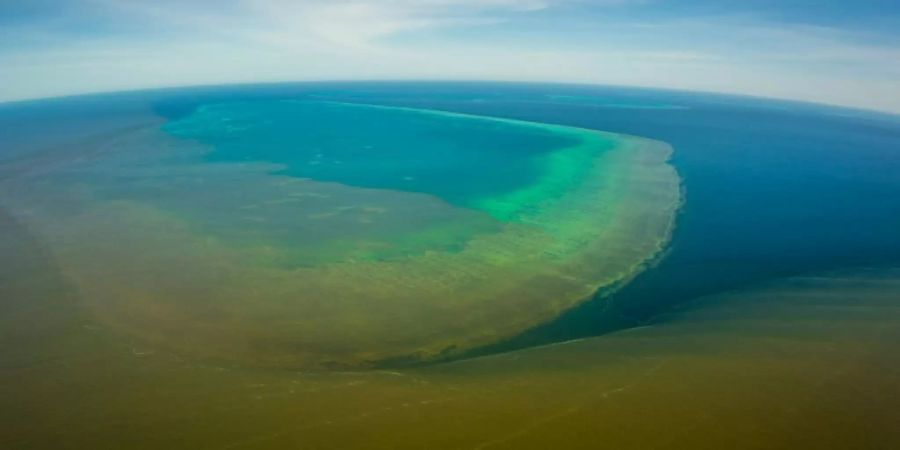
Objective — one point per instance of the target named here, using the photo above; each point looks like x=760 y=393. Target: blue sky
x=837 y=52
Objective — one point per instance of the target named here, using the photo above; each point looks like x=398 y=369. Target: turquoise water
x=464 y=161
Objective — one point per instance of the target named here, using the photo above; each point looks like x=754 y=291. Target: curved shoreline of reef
x=600 y=210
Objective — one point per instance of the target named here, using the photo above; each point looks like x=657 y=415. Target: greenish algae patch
x=245 y=262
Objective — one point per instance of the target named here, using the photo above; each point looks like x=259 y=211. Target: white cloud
x=281 y=40
x=355 y=23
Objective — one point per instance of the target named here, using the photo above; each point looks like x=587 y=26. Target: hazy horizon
x=821 y=52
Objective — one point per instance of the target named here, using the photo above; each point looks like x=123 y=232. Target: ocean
x=156 y=246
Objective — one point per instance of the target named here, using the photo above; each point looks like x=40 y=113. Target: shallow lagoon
x=311 y=234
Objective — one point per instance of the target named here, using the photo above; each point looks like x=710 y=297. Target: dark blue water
x=771 y=188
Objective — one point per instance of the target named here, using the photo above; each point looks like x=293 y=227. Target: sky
x=828 y=51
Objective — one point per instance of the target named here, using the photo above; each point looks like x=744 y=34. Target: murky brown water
x=800 y=363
